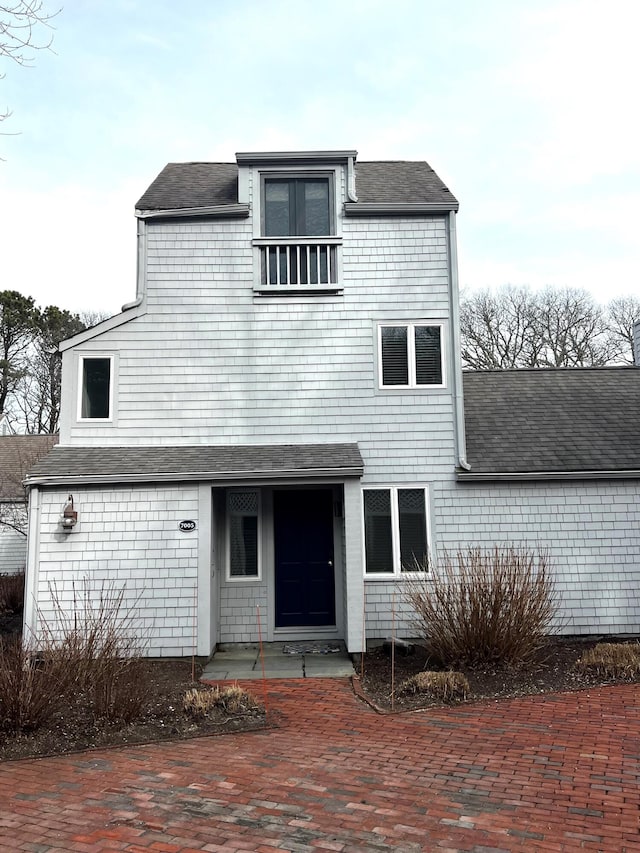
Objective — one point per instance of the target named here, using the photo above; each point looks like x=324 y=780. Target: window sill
x=297 y=289
x=388 y=577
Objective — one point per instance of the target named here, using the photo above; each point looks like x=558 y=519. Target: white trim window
x=410 y=355
x=95 y=388
x=396 y=530
x=297 y=242
x=243 y=535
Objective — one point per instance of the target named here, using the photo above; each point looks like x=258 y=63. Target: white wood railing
x=298 y=261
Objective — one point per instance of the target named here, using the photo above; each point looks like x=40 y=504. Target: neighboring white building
x=274 y=429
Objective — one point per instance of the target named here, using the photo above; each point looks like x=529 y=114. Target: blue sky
x=526 y=108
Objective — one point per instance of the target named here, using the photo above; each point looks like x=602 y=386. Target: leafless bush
x=32 y=687
x=90 y=652
x=446 y=686
x=199 y=702
x=12 y=593
x=485 y=605
x=98 y=634
x=612 y=660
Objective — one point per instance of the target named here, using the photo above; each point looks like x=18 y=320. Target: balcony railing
x=298 y=261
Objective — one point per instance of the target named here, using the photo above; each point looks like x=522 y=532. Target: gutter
x=454 y=313
x=188 y=476
x=519 y=476
x=216 y=211
x=370 y=208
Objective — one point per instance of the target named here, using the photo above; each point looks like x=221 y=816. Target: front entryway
x=304 y=563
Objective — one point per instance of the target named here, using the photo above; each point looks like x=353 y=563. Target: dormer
x=297 y=201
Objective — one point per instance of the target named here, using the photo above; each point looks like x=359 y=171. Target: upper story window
x=95 y=388
x=410 y=356
x=298 y=246
x=296 y=207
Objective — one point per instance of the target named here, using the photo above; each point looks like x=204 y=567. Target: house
x=17 y=454
x=273 y=431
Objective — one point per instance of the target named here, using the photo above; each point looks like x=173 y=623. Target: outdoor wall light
x=69 y=515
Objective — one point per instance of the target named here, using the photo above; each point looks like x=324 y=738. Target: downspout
x=454 y=306
x=141 y=265
x=351 y=179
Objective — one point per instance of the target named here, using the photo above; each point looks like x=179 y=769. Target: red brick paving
x=543 y=773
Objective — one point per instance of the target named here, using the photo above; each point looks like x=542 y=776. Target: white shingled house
x=274 y=429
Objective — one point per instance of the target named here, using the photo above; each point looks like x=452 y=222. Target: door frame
x=308 y=632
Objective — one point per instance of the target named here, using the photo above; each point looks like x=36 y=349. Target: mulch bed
x=73 y=728
x=553 y=671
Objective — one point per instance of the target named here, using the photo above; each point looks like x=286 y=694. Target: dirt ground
x=73 y=728
x=553 y=670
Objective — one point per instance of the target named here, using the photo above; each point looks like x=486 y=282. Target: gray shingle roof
x=194 y=185
x=399 y=182
x=184 y=185
x=119 y=464
x=18 y=453
x=562 y=420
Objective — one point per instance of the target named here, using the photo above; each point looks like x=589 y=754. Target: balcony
x=298 y=263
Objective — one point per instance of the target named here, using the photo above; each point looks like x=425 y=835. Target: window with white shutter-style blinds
x=410 y=356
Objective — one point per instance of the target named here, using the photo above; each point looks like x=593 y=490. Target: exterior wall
x=591 y=530
x=13 y=546
x=210 y=362
x=128 y=538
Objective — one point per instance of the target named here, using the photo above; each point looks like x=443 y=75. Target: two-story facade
x=272 y=432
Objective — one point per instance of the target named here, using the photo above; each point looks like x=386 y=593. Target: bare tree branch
x=556 y=327
x=21 y=25
x=23 y=31
x=622 y=313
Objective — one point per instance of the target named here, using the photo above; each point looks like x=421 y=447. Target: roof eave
x=194 y=476
x=261 y=158
x=129 y=312
x=519 y=476
x=361 y=208
x=216 y=211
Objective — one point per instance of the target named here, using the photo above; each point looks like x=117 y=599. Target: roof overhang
x=78 y=466
x=520 y=476
x=263 y=158
x=398 y=208
x=218 y=211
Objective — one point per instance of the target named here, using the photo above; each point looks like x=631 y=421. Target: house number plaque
x=187 y=525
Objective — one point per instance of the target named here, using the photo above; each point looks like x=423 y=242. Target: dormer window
x=297 y=207
x=298 y=239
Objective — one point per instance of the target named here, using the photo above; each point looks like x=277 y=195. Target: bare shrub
x=91 y=653
x=485 y=605
x=446 y=686
x=99 y=636
x=199 y=702
x=12 y=593
x=612 y=660
x=32 y=687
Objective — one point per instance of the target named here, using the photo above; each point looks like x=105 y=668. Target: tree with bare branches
x=25 y=28
x=515 y=327
x=622 y=313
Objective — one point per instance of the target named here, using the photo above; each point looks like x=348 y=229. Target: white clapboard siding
x=211 y=362
x=591 y=530
x=127 y=538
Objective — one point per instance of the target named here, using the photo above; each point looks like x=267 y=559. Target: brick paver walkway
x=543 y=773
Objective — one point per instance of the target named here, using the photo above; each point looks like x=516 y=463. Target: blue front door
x=304 y=573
